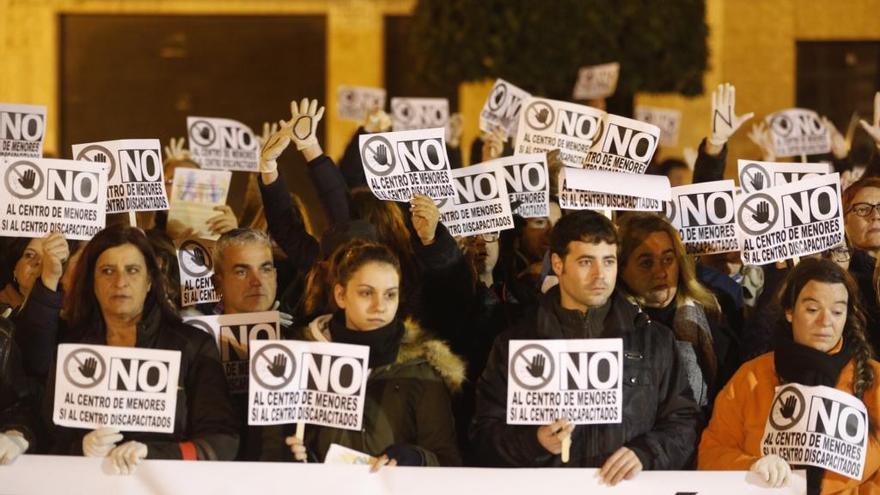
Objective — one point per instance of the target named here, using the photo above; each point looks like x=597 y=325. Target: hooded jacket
x=407 y=402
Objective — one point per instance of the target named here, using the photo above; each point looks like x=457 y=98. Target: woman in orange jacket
x=821 y=341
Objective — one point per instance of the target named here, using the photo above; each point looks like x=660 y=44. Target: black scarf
x=384 y=342
x=796 y=363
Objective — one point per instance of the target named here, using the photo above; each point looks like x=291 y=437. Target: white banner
x=704 y=216
x=798 y=131
x=128 y=388
x=88 y=475
x=41 y=195
x=22 y=130
x=400 y=164
x=481 y=204
x=818 y=426
x=234 y=334
x=546 y=125
x=580 y=380
x=223 y=144
x=502 y=107
x=195 y=264
x=136 y=180
x=623 y=145
x=596 y=189
x=419 y=113
x=757 y=176
x=194 y=194
x=355 y=102
x=528 y=184
x=319 y=383
x=596 y=81
x=796 y=219
x=667 y=119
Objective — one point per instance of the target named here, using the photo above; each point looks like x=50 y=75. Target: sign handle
x=132 y=219
x=300 y=431
x=566 y=448
x=803 y=158
x=795 y=260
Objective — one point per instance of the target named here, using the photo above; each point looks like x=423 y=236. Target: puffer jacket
x=660 y=417
x=407 y=402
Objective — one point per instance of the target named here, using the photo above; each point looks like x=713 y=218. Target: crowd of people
x=706 y=339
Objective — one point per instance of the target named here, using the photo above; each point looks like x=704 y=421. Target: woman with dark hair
x=407 y=412
x=120 y=301
x=819 y=341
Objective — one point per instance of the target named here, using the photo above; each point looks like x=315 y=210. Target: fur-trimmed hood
x=417 y=344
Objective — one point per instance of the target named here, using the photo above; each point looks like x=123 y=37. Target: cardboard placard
x=597 y=189
x=798 y=131
x=623 y=145
x=667 y=119
x=545 y=125
x=818 y=426
x=399 y=164
x=22 y=130
x=128 y=388
x=596 y=81
x=757 y=176
x=234 y=335
x=137 y=178
x=195 y=263
x=580 y=380
x=502 y=107
x=480 y=205
x=528 y=184
x=704 y=216
x=194 y=194
x=223 y=144
x=337 y=454
x=355 y=102
x=796 y=219
x=319 y=383
x=419 y=113
x=41 y=195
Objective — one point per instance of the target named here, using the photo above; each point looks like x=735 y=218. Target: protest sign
x=400 y=164
x=234 y=334
x=480 y=204
x=136 y=181
x=623 y=145
x=796 y=219
x=194 y=194
x=528 y=184
x=128 y=388
x=502 y=107
x=419 y=113
x=40 y=195
x=196 y=267
x=667 y=119
x=337 y=454
x=704 y=216
x=319 y=383
x=596 y=81
x=598 y=189
x=223 y=144
x=757 y=176
x=580 y=380
x=22 y=130
x=355 y=102
x=545 y=125
x=818 y=426
x=797 y=131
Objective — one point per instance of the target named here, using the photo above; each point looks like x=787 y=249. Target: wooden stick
x=132 y=219
x=300 y=431
x=566 y=448
x=803 y=158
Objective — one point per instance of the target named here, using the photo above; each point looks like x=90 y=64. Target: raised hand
x=493 y=143
x=763 y=213
x=757 y=181
x=274 y=144
x=268 y=130
x=838 y=143
x=89 y=368
x=456 y=125
x=55 y=253
x=788 y=408
x=224 y=221
x=278 y=365
x=536 y=368
x=28 y=179
x=425 y=216
x=724 y=119
x=873 y=130
x=377 y=120
x=305 y=118
x=761 y=136
x=176 y=150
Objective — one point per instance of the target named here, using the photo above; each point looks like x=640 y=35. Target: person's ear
x=339 y=296
x=557 y=264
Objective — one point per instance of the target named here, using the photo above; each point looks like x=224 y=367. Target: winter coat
x=15 y=396
x=407 y=402
x=732 y=441
x=660 y=417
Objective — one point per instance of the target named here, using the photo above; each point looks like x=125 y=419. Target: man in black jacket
x=660 y=417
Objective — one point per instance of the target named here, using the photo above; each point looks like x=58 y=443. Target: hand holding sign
x=55 y=253
x=297 y=448
x=377 y=121
x=623 y=464
x=127 y=456
x=100 y=442
x=724 y=119
x=873 y=130
x=493 y=143
x=224 y=221
x=425 y=216
x=773 y=470
x=456 y=125
x=305 y=118
x=551 y=436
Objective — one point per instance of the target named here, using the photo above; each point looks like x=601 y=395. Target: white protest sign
x=196 y=267
x=502 y=107
x=234 y=335
x=136 y=180
x=667 y=119
x=596 y=81
x=598 y=189
x=355 y=102
x=798 y=131
x=527 y=182
x=704 y=216
x=623 y=145
x=419 y=113
x=756 y=176
x=223 y=144
x=480 y=204
x=818 y=426
x=545 y=125
x=128 y=388
x=400 y=164
x=796 y=219
x=580 y=380
x=319 y=383
x=194 y=194
x=337 y=454
x=22 y=130
x=40 y=195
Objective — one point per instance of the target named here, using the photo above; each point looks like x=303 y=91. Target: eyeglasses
x=864 y=209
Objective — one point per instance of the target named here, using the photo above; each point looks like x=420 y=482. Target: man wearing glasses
x=861 y=206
